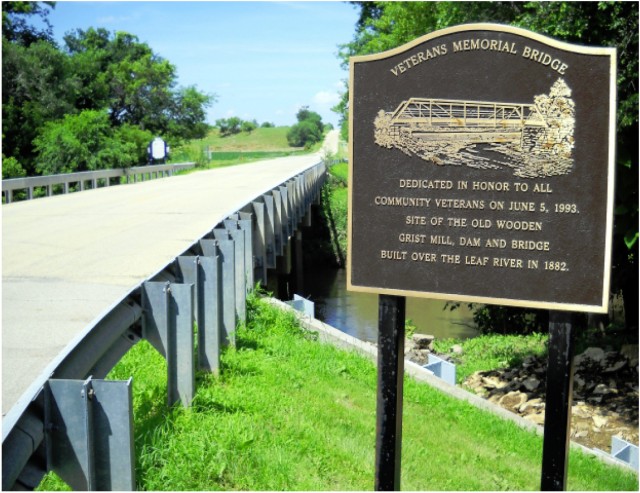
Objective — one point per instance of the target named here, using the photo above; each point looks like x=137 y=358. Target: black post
x=391 y=315
x=557 y=423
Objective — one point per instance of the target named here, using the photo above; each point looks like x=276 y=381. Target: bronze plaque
x=482 y=162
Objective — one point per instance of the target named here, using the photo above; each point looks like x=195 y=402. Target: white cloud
x=326 y=98
x=341 y=85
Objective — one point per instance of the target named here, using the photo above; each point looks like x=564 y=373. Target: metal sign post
x=391 y=315
x=557 y=423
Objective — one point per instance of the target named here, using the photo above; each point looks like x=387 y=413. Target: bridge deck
x=67 y=258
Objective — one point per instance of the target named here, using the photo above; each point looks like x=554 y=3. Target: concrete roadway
x=66 y=259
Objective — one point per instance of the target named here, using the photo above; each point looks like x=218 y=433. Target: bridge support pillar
x=298 y=271
x=283 y=273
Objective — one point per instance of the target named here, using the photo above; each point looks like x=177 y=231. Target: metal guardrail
x=90 y=178
x=67 y=420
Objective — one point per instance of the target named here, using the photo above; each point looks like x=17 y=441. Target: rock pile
x=418 y=347
x=605 y=393
x=605 y=390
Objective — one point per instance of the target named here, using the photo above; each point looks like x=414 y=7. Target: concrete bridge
x=73 y=267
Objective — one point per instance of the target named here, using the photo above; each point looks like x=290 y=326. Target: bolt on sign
x=482 y=163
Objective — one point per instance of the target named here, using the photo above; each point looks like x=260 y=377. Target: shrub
x=87 y=142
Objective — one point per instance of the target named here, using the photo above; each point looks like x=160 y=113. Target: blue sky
x=263 y=60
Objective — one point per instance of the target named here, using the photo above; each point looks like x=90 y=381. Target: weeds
x=490 y=352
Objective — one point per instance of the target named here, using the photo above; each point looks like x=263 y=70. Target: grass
x=215 y=151
x=340 y=171
x=492 y=351
x=335 y=198
x=265 y=139
x=289 y=413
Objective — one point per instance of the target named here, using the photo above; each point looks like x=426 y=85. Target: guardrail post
x=245 y=223
x=89 y=433
x=291 y=204
x=300 y=196
x=285 y=214
x=278 y=222
x=270 y=237
x=227 y=252
x=238 y=237
x=204 y=274
x=168 y=325
x=260 y=241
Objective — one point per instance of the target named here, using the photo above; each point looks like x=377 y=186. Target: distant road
x=331 y=141
x=67 y=258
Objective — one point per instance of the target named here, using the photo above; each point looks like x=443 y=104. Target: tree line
x=235 y=125
x=385 y=25
x=94 y=103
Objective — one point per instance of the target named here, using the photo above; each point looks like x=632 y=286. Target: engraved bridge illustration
x=475 y=121
x=535 y=139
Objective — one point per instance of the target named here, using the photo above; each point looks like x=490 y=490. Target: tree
x=386 y=25
x=187 y=114
x=229 y=126
x=11 y=168
x=87 y=142
x=15 y=25
x=249 y=126
x=97 y=71
x=308 y=130
x=137 y=85
x=37 y=86
x=303 y=134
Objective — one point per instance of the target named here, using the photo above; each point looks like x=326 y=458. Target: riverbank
x=510 y=371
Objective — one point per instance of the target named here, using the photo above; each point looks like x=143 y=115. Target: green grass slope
x=289 y=413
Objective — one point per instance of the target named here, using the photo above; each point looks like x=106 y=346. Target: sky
x=263 y=60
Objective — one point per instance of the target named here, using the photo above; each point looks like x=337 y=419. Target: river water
x=357 y=313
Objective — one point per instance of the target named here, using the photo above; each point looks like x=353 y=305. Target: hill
x=214 y=150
